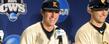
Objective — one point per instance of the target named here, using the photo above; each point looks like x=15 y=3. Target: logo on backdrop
x=12 y=8
x=64 y=7
x=12 y=39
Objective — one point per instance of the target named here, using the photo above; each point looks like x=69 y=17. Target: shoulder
x=33 y=29
x=85 y=27
x=30 y=33
x=84 y=30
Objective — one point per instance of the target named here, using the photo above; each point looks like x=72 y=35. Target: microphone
x=1 y=36
x=60 y=32
x=0 y=40
x=60 y=39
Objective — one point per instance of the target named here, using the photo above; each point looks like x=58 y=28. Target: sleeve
x=65 y=38
x=28 y=37
x=82 y=38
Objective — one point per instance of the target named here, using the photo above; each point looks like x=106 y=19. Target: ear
x=108 y=10
x=89 y=10
x=60 y=12
x=42 y=12
x=103 y=1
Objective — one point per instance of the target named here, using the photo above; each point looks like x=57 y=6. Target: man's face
x=99 y=15
x=50 y=17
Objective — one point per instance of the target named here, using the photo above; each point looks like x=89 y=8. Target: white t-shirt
x=36 y=35
x=87 y=34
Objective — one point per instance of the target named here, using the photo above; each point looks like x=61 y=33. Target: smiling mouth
x=51 y=20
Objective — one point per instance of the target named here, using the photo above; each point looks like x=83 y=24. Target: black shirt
x=48 y=34
x=100 y=29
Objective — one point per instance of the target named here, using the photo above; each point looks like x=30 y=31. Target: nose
x=53 y=14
